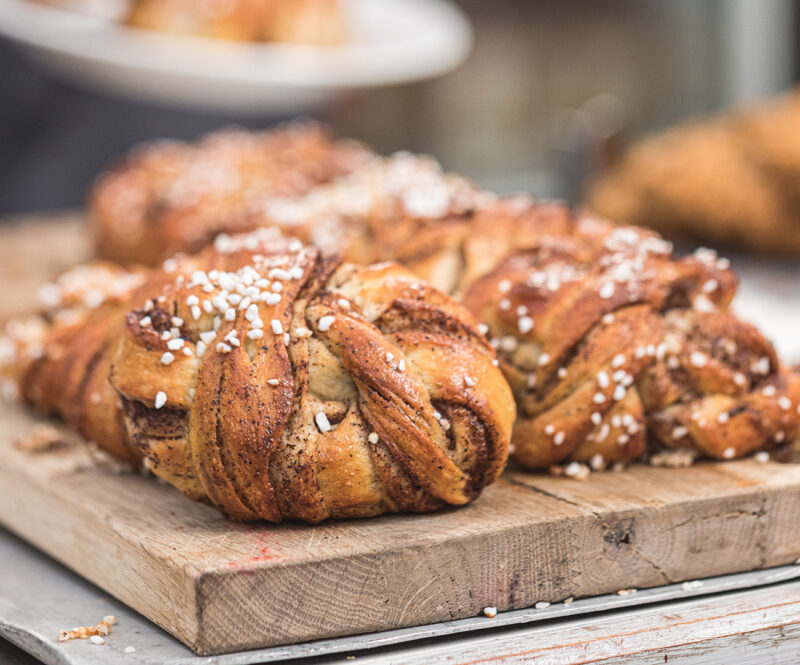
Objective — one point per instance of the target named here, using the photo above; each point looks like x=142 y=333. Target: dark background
x=506 y=118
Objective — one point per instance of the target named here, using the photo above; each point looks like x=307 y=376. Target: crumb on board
x=680 y=458
x=626 y=592
x=542 y=605
x=9 y=392
x=146 y=468
x=75 y=450
x=129 y=650
x=94 y=633
x=569 y=601
x=694 y=584
x=575 y=470
x=105 y=460
x=490 y=612
x=43 y=438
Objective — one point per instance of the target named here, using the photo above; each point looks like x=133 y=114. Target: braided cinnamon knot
x=274 y=381
x=611 y=344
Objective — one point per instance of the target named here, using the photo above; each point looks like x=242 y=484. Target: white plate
x=393 y=41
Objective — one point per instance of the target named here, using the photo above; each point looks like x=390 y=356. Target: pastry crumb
x=577 y=471
x=569 y=601
x=542 y=605
x=129 y=650
x=694 y=584
x=761 y=457
x=674 y=459
x=42 y=439
x=626 y=592
x=93 y=633
x=490 y=612
x=106 y=461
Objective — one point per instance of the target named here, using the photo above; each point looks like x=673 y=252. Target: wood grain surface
x=220 y=586
x=754 y=627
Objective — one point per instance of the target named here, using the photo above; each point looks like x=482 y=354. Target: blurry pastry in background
x=169 y=196
x=172 y=196
x=729 y=181
x=319 y=22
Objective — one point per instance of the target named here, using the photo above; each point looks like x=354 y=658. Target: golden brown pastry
x=613 y=347
x=731 y=180
x=274 y=381
x=319 y=22
x=171 y=196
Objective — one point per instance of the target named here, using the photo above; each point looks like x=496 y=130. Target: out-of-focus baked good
x=312 y=22
x=318 y=22
x=173 y=197
x=274 y=381
x=170 y=196
x=613 y=347
x=730 y=180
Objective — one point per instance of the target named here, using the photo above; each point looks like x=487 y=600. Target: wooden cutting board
x=220 y=586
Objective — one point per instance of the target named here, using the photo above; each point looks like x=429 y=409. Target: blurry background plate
x=392 y=41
